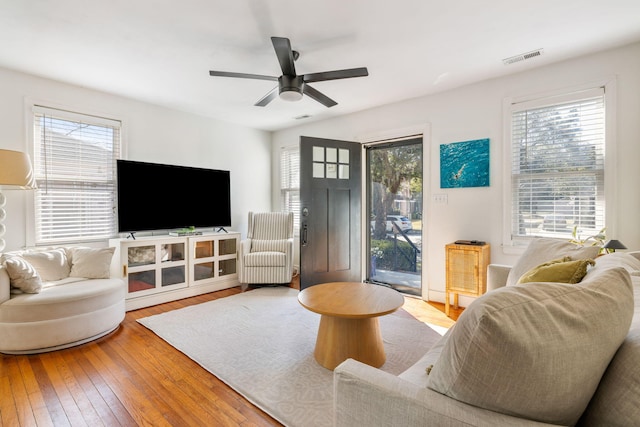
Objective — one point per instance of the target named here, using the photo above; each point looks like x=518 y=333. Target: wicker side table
x=466 y=271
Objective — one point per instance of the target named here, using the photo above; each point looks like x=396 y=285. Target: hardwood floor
x=133 y=378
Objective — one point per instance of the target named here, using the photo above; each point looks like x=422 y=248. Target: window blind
x=75 y=169
x=558 y=166
x=290 y=183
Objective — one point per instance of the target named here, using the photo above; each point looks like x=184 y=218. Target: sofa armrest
x=497 y=276
x=635 y=254
x=245 y=246
x=5 y=285
x=366 y=396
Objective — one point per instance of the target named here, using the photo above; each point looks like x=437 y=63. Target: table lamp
x=15 y=173
x=612 y=245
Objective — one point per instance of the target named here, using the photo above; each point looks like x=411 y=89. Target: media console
x=160 y=269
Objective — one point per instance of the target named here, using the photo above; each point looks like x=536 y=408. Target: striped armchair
x=266 y=255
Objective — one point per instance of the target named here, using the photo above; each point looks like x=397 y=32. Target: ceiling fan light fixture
x=291 y=95
x=291 y=88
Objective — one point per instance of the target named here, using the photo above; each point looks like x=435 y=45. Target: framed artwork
x=464 y=164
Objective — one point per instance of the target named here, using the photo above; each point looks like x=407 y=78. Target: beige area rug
x=261 y=344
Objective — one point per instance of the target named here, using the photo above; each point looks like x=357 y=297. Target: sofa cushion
x=544 y=249
x=265 y=259
x=540 y=348
x=68 y=300
x=92 y=263
x=418 y=372
x=562 y=270
x=269 y=245
x=615 y=403
x=22 y=274
x=617 y=259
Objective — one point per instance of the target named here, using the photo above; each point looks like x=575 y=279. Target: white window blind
x=290 y=183
x=557 y=175
x=75 y=168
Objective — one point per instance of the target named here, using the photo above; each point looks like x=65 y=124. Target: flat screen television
x=154 y=196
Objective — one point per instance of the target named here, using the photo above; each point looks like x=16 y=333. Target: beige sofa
x=67 y=298
x=525 y=354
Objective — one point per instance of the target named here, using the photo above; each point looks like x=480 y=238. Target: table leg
x=446 y=303
x=341 y=338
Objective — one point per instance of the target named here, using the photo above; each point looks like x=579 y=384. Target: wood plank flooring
x=133 y=378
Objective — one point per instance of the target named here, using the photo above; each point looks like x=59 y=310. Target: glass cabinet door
x=205 y=249
x=227 y=247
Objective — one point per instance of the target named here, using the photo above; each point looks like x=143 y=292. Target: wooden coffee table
x=349 y=325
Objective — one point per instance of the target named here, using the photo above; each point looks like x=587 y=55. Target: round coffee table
x=349 y=325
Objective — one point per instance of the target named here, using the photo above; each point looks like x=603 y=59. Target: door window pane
x=343 y=156
x=332 y=155
x=318 y=170
x=318 y=154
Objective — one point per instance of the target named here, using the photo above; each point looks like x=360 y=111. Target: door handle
x=304 y=234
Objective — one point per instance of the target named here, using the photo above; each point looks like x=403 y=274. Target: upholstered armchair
x=266 y=255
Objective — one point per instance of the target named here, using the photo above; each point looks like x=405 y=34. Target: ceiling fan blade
x=241 y=75
x=318 y=96
x=284 y=53
x=273 y=94
x=335 y=75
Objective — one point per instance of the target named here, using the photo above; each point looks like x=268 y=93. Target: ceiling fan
x=291 y=86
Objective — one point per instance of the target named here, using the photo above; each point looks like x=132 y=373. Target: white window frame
x=289 y=165
x=31 y=109
x=516 y=245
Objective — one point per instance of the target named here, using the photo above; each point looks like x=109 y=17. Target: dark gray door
x=330 y=222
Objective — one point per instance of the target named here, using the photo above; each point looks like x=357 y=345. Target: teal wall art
x=464 y=164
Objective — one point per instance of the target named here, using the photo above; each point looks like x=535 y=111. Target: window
x=557 y=168
x=75 y=169
x=290 y=183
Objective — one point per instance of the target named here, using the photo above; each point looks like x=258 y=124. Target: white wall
x=476 y=111
x=151 y=133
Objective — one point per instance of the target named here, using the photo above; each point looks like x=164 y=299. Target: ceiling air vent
x=522 y=57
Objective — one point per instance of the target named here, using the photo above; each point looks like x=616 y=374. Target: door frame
x=423 y=129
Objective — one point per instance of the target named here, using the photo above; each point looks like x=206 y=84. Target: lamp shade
x=15 y=170
x=614 y=244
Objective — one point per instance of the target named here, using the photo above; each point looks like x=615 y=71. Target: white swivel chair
x=266 y=255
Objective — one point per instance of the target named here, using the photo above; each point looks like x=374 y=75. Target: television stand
x=159 y=269
x=221 y=229
x=132 y=235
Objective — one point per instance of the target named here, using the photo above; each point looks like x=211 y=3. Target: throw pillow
x=536 y=351
x=544 y=249
x=50 y=264
x=618 y=259
x=563 y=271
x=22 y=275
x=92 y=263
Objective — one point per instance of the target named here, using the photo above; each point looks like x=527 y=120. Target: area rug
x=261 y=343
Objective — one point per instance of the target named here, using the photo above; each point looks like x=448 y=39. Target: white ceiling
x=160 y=51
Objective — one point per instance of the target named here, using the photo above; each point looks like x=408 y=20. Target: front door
x=330 y=221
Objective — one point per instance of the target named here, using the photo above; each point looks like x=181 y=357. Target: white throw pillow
x=50 y=264
x=537 y=350
x=92 y=263
x=22 y=274
x=543 y=250
x=618 y=259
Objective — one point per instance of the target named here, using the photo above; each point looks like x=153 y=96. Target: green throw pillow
x=559 y=271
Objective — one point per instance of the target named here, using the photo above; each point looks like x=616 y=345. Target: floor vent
x=522 y=57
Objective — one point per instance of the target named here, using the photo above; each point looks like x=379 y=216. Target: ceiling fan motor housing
x=291 y=87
